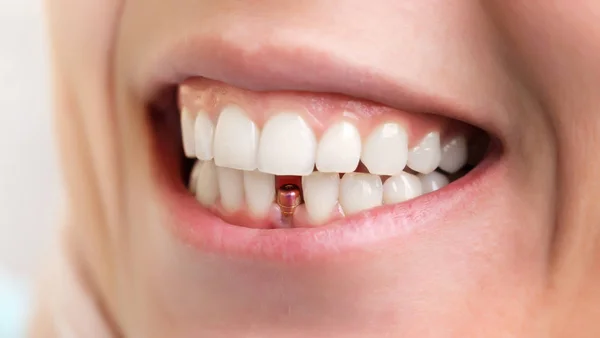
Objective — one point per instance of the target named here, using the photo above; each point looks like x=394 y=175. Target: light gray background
x=29 y=179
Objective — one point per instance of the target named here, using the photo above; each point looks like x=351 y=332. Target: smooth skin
x=523 y=261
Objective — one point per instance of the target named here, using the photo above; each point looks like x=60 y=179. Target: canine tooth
x=401 y=187
x=204 y=130
x=259 y=191
x=321 y=192
x=231 y=188
x=207 y=187
x=287 y=146
x=236 y=140
x=386 y=150
x=339 y=149
x=187 y=133
x=425 y=157
x=454 y=154
x=433 y=181
x=360 y=192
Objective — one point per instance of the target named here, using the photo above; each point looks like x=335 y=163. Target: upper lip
x=302 y=68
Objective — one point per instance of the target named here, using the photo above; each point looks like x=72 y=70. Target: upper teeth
x=287 y=146
x=236 y=140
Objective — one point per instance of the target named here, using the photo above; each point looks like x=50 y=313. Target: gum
x=320 y=110
x=272 y=220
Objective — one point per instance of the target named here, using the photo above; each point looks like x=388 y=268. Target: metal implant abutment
x=288 y=199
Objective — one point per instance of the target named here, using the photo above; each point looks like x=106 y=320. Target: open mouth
x=249 y=163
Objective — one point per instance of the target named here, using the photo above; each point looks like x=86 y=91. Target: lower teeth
x=255 y=199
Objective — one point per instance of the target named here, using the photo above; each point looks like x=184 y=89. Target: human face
x=508 y=249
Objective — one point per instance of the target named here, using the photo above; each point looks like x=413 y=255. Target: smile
x=293 y=174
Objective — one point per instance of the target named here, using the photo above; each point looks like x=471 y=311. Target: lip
x=405 y=221
x=303 y=67
x=316 y=71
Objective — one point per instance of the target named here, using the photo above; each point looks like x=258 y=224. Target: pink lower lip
x=207 y=232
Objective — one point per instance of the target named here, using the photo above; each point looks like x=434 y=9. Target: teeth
x=287 y=146
x=194 y=177
x=204 y=130
x=187 y=133
x=236 y=140
x=360 y=192
x=433 y=181
x=231 y=188
x=260 y=192
x=425 y=157
x=400 y=188
x=207 y=188
x=454 y=154
x=231 y=152
x=339 y=149
x=320 y=195
x=386 y=150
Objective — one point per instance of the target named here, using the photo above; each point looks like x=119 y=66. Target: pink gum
x=320 y=110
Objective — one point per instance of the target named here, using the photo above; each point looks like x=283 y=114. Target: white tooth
x=204 y=130
x=194 y=177
x=401 y=187
x=231 y=188
x=454 y=154
x=339 y=149
x=320 y=191
x=187 y=133
x=386 y=150
x=425 y=157
x=260 y=192
x=433 y=181
x=287 y=146
x=236 y=140
x=360 y=192
x=207 y=187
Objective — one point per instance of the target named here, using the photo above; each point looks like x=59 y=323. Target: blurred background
x=29 y=178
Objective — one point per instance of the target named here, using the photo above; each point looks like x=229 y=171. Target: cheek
x=86 y=27
x=82 y=36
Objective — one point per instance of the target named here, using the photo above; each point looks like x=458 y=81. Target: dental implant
x=288 y=198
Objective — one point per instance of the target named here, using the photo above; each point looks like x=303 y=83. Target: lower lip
x=206 y=232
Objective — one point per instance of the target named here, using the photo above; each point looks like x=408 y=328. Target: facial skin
x=522 y=261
